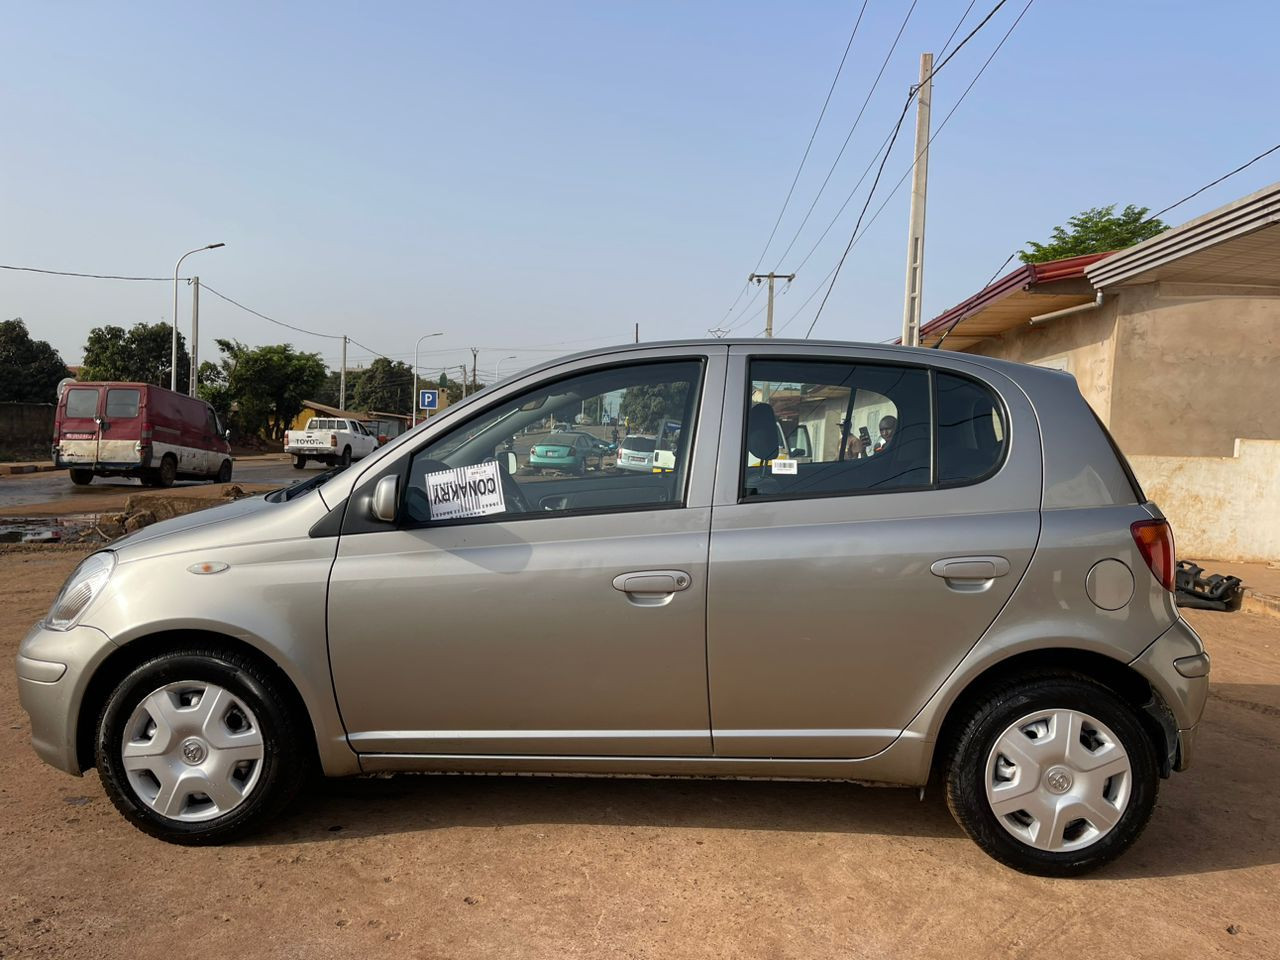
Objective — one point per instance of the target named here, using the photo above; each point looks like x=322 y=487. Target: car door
x=846 y=586
x=570 y=620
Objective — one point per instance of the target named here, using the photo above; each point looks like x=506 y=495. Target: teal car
x=570 y=452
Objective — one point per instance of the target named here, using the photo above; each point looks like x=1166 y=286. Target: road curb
x=17 y=469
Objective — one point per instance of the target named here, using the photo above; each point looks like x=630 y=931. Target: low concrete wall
x=25 y=427
x=1221 y=508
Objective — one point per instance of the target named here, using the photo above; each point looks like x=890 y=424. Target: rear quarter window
x=972 y=433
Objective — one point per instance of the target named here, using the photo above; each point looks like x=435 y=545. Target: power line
x=809 y=146
x=856 y=236
x=88 y=276
x=263 y=316
x=849 y=136
x=1214 y=183
x=956 y=29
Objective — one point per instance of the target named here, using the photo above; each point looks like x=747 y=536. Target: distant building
x=1175 y=343
x=384 y=424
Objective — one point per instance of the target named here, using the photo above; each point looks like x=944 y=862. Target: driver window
x=608 y=440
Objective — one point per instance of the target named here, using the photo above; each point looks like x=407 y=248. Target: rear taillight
x=333 y=439
x=146 y=432
x=1155 y=542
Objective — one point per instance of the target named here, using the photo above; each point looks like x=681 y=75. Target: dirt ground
x=491 y=867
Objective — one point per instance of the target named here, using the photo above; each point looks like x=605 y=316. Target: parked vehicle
x=984 y=604
x=328 y=440
x=110 y=429
x=571 y=452
x=636 y=453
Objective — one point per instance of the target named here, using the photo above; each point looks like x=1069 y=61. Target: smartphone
x=866 y=437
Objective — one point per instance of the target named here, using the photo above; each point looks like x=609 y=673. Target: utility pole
x=342 y=377
x=195 y=336
x=475 y=355
x=463 y=368
x=919 y=186
x=637 y=331
x=756 y=278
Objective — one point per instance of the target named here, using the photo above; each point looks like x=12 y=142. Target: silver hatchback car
x=958 y=579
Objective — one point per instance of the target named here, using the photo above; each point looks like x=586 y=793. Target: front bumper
x=54 y=668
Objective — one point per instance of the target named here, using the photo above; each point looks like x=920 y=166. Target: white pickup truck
x=330 y=441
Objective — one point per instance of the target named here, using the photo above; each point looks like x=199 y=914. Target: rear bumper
x=1177 y=667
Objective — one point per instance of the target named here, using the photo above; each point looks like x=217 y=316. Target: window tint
x=82 y=403
x=820 y=428
x=558 y=472
x=122 y=403
x=971 y=430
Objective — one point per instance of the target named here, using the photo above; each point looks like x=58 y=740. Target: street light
x=497 y=370
x=413 y=411
x=173 y=363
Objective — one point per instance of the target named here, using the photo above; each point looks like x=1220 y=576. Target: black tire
x=346 y=457
x=299 y=462
x=224 y=472
x=168 y=471
x=284 y=761
x=81 y=478
x=970 y=748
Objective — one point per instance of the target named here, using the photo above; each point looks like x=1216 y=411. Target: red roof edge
x=1025 y=276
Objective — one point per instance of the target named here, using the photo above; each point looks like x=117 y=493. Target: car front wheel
x=197 y=746
x=1054 y=776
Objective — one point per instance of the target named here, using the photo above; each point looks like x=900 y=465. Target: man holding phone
x=861 y=445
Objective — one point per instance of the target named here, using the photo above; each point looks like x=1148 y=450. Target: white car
x=637 y=453
x=335 y=442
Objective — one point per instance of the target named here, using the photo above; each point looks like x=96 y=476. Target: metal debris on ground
x=1214 y=592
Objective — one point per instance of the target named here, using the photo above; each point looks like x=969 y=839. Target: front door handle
x=651 y=585
x=970 y=568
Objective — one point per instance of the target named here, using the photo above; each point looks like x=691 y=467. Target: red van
x=138 y=430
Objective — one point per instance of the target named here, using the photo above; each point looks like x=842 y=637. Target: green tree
x=645 y=407
x=261 y=389
x=1095 y=231
x=30 y=370
x=141 y=354
x=385 y=386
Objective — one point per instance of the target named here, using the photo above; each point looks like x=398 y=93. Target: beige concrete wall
x=1221 y=508
x=1191 y=375
x=1081 y=344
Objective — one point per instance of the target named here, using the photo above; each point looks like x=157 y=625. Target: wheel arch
x=137 y=651
x=1154 y=716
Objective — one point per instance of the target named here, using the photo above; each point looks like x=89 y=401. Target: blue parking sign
x=428 y=399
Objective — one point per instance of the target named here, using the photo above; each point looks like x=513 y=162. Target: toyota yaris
x=982 y=602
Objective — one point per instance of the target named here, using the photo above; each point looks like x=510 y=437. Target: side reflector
x=208 y=566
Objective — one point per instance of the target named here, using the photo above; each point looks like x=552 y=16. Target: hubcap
x=192 y=751
x=1058 y=780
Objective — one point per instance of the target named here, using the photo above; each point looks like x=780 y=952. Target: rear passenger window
x=971 y=430
x=818 y=428
x=122 y=403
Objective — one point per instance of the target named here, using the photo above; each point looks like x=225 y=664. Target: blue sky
x=534 y=178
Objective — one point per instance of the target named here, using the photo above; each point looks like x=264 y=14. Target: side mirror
x=385 y=498
x=508 y=463
x=226 y=434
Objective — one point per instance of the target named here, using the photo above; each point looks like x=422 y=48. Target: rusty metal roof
x=1015 y=298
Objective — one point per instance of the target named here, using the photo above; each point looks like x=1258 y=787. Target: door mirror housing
x=385 y=499
x=226 y=434
x=508 y=463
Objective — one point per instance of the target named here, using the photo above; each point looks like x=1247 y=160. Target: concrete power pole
x=475 y=356
x=919 y=186
x=193 y=379
x=463 y=368
x=342 y=378
x=757 y=278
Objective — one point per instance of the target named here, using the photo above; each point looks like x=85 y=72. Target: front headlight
x=80 y=589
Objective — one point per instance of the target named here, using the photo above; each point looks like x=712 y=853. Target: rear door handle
x=970 y=568
x=651 y=585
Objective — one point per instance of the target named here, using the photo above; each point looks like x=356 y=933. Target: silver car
x=982 y=601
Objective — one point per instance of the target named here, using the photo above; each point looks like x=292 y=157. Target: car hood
x=226 y=524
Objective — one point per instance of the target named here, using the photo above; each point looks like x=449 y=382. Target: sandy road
x=536 y=867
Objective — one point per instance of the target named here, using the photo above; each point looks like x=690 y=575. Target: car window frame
x=694 y=405
x=934 y=484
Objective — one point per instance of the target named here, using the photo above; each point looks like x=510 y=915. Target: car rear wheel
x=1053 y=776
x=82 y=478
x=197 y=746
x=168 y=471
x=346 y=457
x=299 y=462
x=224 y=472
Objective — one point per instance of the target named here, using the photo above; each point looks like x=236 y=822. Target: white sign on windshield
x=474 y=491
